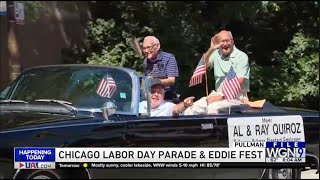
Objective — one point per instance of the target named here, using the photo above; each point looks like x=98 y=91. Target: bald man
x=221 y=56
x=160 y=64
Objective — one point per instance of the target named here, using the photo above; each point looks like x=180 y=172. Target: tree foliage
x=290 y=75
x=280 y=38
x=296 y=79
x=34 y=10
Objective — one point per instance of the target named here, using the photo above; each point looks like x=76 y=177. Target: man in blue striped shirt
x=160 y=64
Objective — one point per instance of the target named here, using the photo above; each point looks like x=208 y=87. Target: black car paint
x=93 y=132
x=42 y=129
x=155 y=132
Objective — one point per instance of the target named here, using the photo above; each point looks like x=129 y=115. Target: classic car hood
x=11 y=120
x=294 y=109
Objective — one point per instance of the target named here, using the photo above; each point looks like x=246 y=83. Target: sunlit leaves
x=280 y=37
x=298 y=74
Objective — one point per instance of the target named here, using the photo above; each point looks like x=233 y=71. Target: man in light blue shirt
x=224 y=55
x=160 y=107
x=221 y=56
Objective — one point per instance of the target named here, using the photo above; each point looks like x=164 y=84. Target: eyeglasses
x=149 y=47
x=226 y=40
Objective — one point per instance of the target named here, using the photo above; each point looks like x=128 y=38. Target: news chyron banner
x=34 y=158
x=276 y=141
x=154 y=157
x=151 y=157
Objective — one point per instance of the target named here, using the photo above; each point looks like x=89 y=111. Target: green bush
x=295 y=80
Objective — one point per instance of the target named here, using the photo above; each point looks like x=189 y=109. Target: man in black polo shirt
x=160 y=64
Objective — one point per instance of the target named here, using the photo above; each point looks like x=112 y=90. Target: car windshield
x=85 y=88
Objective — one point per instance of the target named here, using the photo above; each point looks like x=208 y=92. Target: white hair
x=154 y=39
x=230 y=34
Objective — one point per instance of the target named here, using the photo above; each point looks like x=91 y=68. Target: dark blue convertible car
x=69 y=106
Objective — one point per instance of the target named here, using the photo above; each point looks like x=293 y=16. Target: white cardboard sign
x=19 y=12
x=265 y=128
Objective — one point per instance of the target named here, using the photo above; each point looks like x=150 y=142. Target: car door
x=183 y=131
x=99 y=135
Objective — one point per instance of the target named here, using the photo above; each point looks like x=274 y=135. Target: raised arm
x=214 y=44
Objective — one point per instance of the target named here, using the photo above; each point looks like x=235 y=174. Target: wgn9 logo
x=286 y=152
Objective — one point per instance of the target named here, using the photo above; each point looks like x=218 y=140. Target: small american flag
x=198 y=73
x=231 y=85
x=106 y=87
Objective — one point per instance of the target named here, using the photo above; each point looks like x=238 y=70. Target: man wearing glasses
x=221 y=56
x=162 y=65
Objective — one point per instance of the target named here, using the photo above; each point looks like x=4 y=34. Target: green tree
x=280 y=37
x=296 y=79
x=34 y=9
x=288 y=74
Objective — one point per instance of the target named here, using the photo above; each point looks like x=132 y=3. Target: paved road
x=309 y=174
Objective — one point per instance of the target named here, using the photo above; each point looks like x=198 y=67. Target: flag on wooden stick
x=198 y=73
